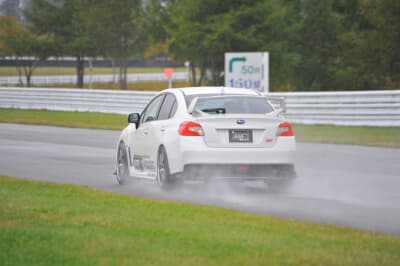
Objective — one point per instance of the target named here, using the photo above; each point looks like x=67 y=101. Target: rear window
x=189 y=98
x=235 y=105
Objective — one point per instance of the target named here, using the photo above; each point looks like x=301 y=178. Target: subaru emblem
x=240 y=122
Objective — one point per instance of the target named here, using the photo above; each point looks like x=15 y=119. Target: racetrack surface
x=338 y=184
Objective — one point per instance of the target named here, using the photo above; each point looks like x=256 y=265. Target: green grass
x=53 y=224
x=66 y=119
x=50 y=71
x=370 y=136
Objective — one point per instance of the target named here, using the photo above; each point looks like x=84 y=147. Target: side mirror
x=134 y=118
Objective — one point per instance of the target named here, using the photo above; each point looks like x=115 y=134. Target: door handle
x=162 y=129
x=145 y=132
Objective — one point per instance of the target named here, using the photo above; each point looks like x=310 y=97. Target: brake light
x=285 y=129
x=242 y=168
x=190 y=129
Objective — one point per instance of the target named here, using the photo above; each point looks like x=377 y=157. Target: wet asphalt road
x=338 y=184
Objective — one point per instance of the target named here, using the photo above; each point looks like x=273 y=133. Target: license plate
x=240 y=135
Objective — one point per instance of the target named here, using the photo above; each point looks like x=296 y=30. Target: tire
x=122 y=172
x=164 y=179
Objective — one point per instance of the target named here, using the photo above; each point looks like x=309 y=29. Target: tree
x=380 y=44
x=17 y=41
x=230 y=26
x=156 y=19
x=369 y=54
x=63 y=20
x=119 y=29
x=263 y=26
x=318 y=45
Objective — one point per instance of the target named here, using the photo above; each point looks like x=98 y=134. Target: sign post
x=247 y=70
x=187 y=65
x=168 y=72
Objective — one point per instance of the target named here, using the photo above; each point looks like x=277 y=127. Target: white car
x=207 y=133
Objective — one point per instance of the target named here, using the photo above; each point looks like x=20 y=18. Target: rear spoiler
x=192 y=105
x=277 y=102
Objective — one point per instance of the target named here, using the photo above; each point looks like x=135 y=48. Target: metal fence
x=104 y=101
x=358 y=108
x=71 y=79
x=361 y=108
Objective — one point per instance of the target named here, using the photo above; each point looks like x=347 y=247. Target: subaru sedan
x=208 y=133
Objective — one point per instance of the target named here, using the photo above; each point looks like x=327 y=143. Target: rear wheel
x=122 y=165
x=164 y=179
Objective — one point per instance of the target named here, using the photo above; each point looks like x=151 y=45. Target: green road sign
x=249 y=70
x=235 y=59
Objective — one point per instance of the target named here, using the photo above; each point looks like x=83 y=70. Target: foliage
x=63 y=20
x=86 y=28
x=120 y=33
x=157 y=49
x=362 y=52
x=313 y=44
x=18 y=41
x=318 y=45
x=380 y=45
x=232 y=26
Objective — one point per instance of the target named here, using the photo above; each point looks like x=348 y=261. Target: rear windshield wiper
x=220 y=110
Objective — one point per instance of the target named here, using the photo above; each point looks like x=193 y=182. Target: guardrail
x=83 y=100
x=358 y=108
x=361 y=108
x=71 y=79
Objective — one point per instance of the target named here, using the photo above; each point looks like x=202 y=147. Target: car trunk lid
x=239 y=130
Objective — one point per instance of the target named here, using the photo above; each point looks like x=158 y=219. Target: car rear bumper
x=238 y=172
x=193 y=151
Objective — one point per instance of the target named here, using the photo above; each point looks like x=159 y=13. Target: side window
x=166 y=107
x=152 y=109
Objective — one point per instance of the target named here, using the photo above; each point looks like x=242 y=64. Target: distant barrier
x=82 y=100
x=361 y=108
x=71 y=79
x=358 y=108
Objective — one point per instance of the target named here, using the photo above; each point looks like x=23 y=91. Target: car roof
x=217 y=90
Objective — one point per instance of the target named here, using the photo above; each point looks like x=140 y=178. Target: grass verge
x=55 y=71
x=369 y=136
x=53 y=224
x=64 y=119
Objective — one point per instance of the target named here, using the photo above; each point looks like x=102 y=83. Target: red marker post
x=169 y=72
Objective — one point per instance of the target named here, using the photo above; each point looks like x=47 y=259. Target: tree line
x=314 y=45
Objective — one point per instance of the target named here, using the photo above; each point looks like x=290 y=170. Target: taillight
x=285 y=129
x=190 y=129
